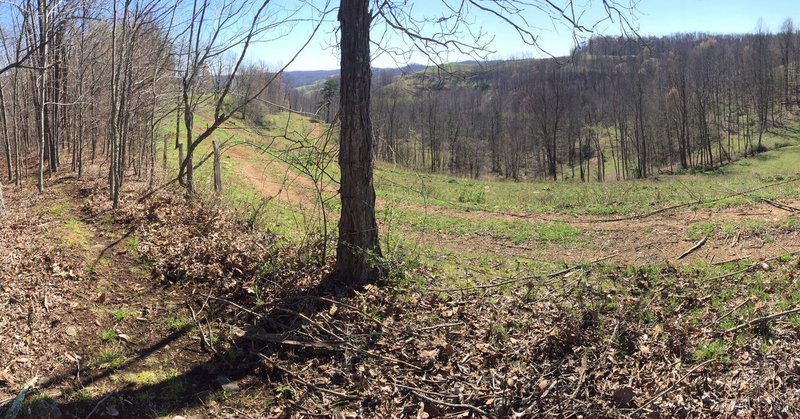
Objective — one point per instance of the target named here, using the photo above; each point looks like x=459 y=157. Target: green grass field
x=471 y=230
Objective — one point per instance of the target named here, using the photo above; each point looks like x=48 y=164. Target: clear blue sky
x=652 y=17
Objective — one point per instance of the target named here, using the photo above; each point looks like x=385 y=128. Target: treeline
x=618 y=108
x=95 y=84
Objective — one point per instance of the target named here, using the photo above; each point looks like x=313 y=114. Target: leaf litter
x=288 y=340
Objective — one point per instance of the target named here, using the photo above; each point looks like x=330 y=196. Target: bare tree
x=787 y=49
x=358 y=249
x=215 y=30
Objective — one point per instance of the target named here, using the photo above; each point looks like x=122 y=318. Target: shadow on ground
x=220 y=372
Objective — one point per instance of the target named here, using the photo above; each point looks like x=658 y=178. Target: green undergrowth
x=393 y=183
x=764 y=228
x=517 y=232
x=698 y=297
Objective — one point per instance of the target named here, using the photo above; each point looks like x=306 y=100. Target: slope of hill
x=297 y=79
x=194 y=310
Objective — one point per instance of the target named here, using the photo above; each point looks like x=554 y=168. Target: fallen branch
x=695 y=247
x=728 y=313
x=696 y=202
x=670 y=388
x=258 y=316
x=439 y=326
x=206 y=340
x=762 y=320
x=383 y=357
x=749 y=267
x=97 y=406
x=16 y=405
x=780 y=206
x=572 y=268
x=258 y=335
x=356 y=309
x=737 y=259
x=453 y=405
x=306 y=383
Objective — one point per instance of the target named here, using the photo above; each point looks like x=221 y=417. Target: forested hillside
x=617 y=108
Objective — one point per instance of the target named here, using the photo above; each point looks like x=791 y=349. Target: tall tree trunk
x=2 y=202
x=6 y=137
x=358 y=249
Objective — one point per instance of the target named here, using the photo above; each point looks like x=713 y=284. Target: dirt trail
x=291 y=187
x=79 y=310
x=659 y=238
x=270 y=176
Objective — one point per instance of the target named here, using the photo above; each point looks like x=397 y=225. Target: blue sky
x=652 y=17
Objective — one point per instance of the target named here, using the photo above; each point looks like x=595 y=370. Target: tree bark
x=358 y=250
x=217 y=168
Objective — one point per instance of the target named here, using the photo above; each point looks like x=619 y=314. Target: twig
x=482 y=287
x=282 y=340
x=97 y=406
x=202 y=332
x=311 y=321
x=306 y=383
x=763 y=319
x=453 y=405
x=722 y=262
x=781 y=206
x=695 y=247
x=258 y=316
x=356 y=309
x=572 y=268
x=379 y=356
x=740 y=271
x=439 y=326
x=697 y=202
x=670 y=388
x=524 y=278
x=728 y=313
x=435 y=393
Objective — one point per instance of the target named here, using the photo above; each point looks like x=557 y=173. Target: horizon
x=651 y=19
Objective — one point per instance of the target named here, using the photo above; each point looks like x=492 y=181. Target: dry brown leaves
x=577 y=345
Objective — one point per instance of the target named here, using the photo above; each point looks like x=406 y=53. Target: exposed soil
x=658 y=239
x=290 y=187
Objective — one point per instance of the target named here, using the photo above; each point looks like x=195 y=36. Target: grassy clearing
x=518 y=232
x=412 y=203
x=575 y=198
x=394 y=184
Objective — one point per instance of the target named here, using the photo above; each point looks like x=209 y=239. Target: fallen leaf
x=71 y=331
x=623 y=397
x=543 y=384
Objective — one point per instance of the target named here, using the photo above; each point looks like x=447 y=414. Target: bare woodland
x=617 y=108
x=129 y=290
x=85 y=86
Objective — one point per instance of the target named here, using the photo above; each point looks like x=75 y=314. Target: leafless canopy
x=454 y=26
